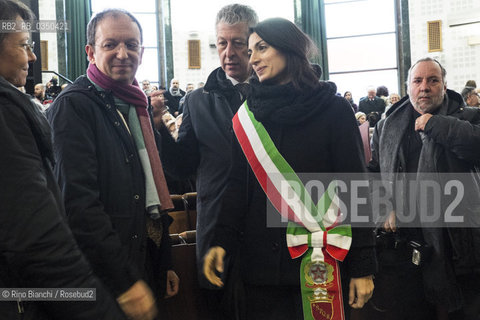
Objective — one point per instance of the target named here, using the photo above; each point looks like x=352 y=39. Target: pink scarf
x=131 y=93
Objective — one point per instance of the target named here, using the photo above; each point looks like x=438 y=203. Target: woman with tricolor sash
x=295 y=259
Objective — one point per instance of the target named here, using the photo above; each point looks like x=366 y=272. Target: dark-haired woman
x=314 y=131
x=348 y=96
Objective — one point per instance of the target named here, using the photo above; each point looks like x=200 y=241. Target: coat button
x=136 y=197
x=116 y=123
x=108 y=106
x=134 y=236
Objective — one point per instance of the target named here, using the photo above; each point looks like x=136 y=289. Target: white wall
x=461 y=60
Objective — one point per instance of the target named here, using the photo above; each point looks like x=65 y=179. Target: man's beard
x=434 y=104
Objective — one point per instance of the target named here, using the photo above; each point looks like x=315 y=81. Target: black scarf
x=217 y=81
x=284 y=104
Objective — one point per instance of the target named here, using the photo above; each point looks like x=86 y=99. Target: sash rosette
x=313 y=231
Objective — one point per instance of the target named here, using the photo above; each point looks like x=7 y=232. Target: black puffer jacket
x=316 y=132
x=37 y=249
x=102 y=180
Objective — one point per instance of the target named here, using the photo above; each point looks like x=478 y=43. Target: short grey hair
x=444 y=72
x=236 y=13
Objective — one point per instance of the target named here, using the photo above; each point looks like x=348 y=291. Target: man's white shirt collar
x=234 y=82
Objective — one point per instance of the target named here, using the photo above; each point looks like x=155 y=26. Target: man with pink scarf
x=109 y=169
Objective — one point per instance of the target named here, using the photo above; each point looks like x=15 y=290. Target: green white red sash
x=313 y=230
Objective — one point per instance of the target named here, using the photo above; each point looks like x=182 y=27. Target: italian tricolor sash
x=313 y=230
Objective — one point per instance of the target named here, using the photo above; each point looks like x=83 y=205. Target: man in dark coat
x=205 y=136
x=430 y=132
x=104 y=166
x=37 y=249
x=173 y=95
x=371 y=103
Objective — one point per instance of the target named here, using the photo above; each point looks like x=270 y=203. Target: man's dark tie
x=243 y=89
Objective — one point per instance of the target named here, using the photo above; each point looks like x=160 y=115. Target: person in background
x=109 y=169
x=392 y=99
x=162 y=117
x=382 y=92
x=348 y=95
x=173 y=95
x=361 y=117
x=471 y=97
x=189 y=88
x=371 y=103
x=39 y=92
x=471 y=83
x=40 y=98
x=53 y=89
x=146 y=87
x=37 y=249
x=315 y=131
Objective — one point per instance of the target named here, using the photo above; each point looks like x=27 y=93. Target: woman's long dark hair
x=297 y=47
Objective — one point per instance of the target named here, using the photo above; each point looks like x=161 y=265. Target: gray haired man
x=430 y=133
x=204 y=138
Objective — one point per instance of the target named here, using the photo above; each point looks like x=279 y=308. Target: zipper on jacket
x=118 y=117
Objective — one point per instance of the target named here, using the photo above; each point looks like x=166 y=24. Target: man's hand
x=421 y=122
x=361 y=290
x=159 y=109
x=213 y=261
x=172 y=284
x=138 y=302
x=390 y=224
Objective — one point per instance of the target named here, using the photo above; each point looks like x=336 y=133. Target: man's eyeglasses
x=29 y=45
x=111 y=46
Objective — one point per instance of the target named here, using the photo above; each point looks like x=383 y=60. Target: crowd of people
x=44 y=94
x=85 y=186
